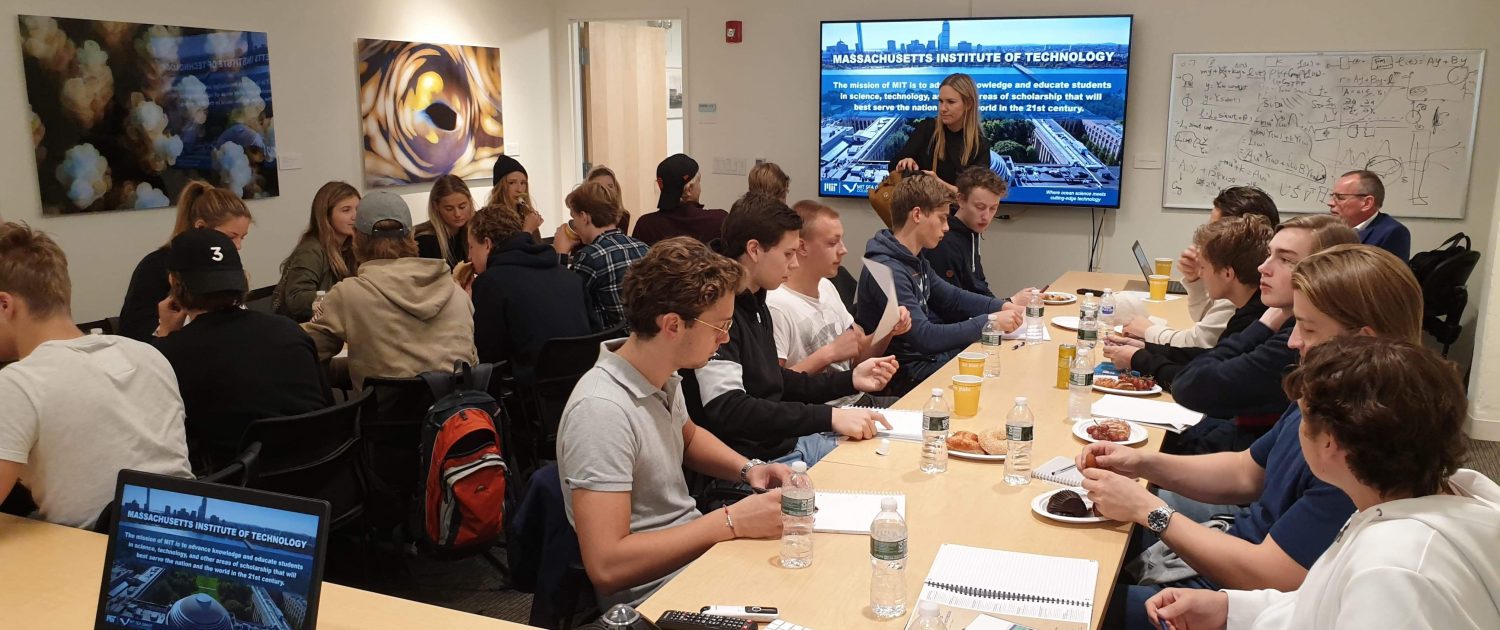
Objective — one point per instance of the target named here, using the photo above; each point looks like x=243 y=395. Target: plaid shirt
x=602 y=265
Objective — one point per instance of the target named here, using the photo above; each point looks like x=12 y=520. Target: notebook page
x=851 y=512
x=1059 y=470
x=1070 y=581
x=1155 y=412
x=905 y=424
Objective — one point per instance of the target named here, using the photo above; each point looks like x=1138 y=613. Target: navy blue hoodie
x=944 y=319
x=956 y=258
x=523 y=299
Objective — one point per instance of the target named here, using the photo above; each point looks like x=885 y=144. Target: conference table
x=970 y=504
x=50 y=576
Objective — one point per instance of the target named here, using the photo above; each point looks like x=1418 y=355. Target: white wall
x=313 y=85
x=1484 y=385
x=766 y=92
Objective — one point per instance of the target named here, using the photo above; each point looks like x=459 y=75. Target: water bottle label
x=888 y=550
x=1088 y=334
x=990 y=338
x=1035 y=311
x=793 y=506
x=1108 y=311
x=1018 y=434
x=1082 y=379
x=935 y=423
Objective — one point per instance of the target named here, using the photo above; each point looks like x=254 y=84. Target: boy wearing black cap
x=678 y=212
x=75 y=409
x=233 y=365
x=401 y=315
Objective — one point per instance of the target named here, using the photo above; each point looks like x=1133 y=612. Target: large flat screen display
x=1051 y=100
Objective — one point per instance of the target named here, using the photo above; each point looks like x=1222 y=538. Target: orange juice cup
x=1164 y=266
x=966 y=394
x=1158 y=284
x=971 y=363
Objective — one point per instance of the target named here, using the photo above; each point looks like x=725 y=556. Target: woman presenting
x=959 y=146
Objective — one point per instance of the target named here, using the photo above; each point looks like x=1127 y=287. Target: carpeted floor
x=1485 y=457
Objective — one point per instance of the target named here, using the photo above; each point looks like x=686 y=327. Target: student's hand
x=1120 y=355
x=872 y=374
x=1119 y=498
x=1137 y=327
x=1008 y=320
x=1189 y=609
x=1188 y=262
x=1274 y=317
x=757 y=516
x=906 y=164
x=1117 y=340
x=170 y=317
x=858 y=424
x=562 y=241
x=767 y=476
x=1014 y=307
x=1020 y=298
x=1110 y=456
x=903 y=323
x=845 y=346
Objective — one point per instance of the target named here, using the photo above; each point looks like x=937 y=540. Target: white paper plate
x=1159 y=321
x=1069 y=299
x=1128 y=392
x=1066 y=322
x=1137 y=433
x=977 y=457
x=1039 y=505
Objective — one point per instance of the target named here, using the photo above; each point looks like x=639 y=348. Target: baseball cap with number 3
x=207 y=262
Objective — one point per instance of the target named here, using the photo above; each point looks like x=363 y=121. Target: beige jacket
x=400 y=318
x=1212 y=317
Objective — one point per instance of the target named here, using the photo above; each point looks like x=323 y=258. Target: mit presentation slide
x=1051 y=100
x=183 y=561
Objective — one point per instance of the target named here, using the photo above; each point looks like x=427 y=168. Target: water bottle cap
x=927 y=609
x=993 y=318
x=800 y=467
x=1021 y=400
x=937 y=392
x=888 y=504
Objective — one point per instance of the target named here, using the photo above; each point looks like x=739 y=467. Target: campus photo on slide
x=1051 y=100
x=191 y=562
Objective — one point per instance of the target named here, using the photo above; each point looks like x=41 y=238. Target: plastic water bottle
x=798 y=503
x=1080 y=387
x=888 y=560
x=1034 y=311
x=935 y=416
x=1107 y=309
x=317 y=305
x=619 y=617
x=1088 y=322
x=927 y=617
x=1019 y=426
x=990 y=341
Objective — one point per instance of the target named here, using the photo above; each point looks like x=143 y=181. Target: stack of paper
x=1163 y=414
x=905 y=424
x=843 y=512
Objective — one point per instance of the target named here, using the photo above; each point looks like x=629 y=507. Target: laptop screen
x=187 y=554
x=1140 y=257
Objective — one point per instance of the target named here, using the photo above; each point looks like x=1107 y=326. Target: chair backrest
x=390 y=436
x=544 y=556
x=108 y=326
x=260 y=299
x=847 y=286
x=559 y=365
x=313 y=455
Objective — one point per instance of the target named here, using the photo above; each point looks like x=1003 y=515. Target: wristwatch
x=745 y=470
x=1157 y=519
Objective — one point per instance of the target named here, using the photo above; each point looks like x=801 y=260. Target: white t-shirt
x=803 y=323
x=74 y=413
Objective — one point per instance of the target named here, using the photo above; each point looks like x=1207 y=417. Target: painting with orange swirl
x=427 y=110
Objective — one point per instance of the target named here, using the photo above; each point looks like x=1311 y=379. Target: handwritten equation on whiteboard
x=1291 y=124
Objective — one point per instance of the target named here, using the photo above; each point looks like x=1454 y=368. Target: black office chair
x=1445 y=295
x=546 y=559
x=848 y=287
x=260 y=299
x=313 y=455
x=559 y=365
x=237 y=472
x=389 y=438
x=108 y=326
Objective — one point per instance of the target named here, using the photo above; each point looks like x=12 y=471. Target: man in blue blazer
x=1356 y=198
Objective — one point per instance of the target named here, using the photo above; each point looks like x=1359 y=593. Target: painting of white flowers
x=124 y=115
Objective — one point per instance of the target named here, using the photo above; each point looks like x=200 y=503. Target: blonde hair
x=614 y=189
x=442 y=187
x=1326 y=230
x=811 y=211
x=1361 y=285
x=768 y=179
x=969 y=94
x=213 y=206
x=34 y=268
x=921 y=191
x=320 y=228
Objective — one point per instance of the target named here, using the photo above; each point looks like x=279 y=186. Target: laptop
x=190 y=554
x=1147 y=269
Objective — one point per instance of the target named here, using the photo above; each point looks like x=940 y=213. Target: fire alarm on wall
x=734 y=32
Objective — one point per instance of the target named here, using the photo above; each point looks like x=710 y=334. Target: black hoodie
x=956 y=258
x=523 y=299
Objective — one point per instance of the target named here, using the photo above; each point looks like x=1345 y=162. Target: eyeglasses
x=1340 y=196
x=727 y=325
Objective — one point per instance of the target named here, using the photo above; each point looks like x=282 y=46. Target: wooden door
x=625 y=105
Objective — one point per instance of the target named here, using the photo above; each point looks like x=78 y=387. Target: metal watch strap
x=745 y=470
x=1159 y=518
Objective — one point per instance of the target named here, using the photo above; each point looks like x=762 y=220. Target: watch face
x=1157 y=520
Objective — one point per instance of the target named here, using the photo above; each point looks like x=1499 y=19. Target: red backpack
x=463 y=473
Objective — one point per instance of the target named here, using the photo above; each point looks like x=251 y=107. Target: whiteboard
x=1292 y=123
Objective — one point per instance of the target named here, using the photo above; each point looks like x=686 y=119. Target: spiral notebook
x=849 y=512
x=1059 y=470
x=1012 y=583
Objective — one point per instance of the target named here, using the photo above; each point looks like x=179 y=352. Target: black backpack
x=1424 y=263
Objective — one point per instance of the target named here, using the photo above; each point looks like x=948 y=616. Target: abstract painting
x=124 y=115
x=428 y=110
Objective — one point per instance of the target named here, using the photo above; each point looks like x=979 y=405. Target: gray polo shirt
x=621 y=434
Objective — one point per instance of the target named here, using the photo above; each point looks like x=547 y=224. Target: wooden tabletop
x=50 y=576
x=969 y=504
